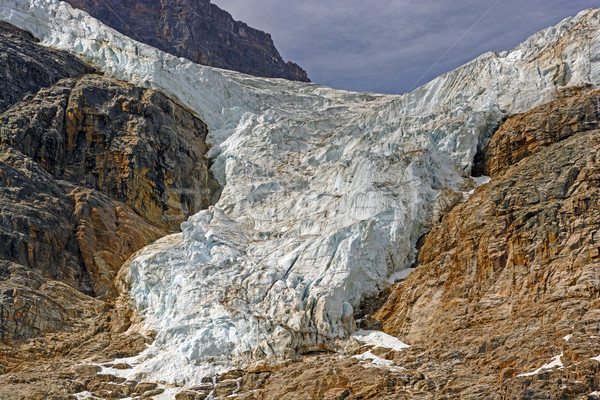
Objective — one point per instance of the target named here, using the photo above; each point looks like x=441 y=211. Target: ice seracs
x=325 y=192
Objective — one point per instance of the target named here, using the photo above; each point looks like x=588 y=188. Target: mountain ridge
x=197 y=30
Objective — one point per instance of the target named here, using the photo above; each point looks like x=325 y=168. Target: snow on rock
x=556 y=362
x=379 y=339
x=476 y=182
x=373 y=359
x=325 y=191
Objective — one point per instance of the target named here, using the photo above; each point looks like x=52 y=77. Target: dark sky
x=385 y=46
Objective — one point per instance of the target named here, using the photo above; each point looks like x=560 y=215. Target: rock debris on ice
x=325 y=191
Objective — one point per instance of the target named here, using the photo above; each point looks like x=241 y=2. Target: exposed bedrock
x=508 y=274
x=26 y=67
x=91 y=170
x=197 y=30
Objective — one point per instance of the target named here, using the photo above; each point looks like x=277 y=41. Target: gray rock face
x=91 y=170
x=196 y=30
x=26 y=67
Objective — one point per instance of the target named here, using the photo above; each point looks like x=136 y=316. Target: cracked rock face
x=326 y=192
x=510 y=279
x=326 y=195
x=26 y=66
x=91 y=170
x=122 y=166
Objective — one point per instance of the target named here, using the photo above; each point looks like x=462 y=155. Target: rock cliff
x=91 y=170
x=510 y=278
x=197 y=30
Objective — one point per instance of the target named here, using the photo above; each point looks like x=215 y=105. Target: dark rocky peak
x=196 y=30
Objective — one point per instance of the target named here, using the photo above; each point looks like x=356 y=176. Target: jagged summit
x=325 y=192
x=196 y=30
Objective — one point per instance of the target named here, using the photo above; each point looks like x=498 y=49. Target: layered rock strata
x=326 y=192
x=197 y=30
x=26 y=67
x=91 y=170
x=510 y=279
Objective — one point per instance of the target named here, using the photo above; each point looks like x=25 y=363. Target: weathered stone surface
x=32 y=305
x=26 y=67
x=118 y=165
x=525 y=134
x=35 y=220
x=196 y=30
x=510 y=272
x=57 y=365
x=132 y=144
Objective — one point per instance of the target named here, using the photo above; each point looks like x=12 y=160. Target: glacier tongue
x=325 y=191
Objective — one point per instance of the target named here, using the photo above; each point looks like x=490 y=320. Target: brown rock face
x=91 y=170
x=123 y=167
x=26 y=67
x=510 y=272
x=32 y=305
x=526 y=134
x=196 y=30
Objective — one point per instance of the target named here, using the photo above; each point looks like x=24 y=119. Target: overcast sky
x=385 y=46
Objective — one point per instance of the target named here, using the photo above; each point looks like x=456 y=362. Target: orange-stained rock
x=108 y=232
x=525 y=134
x=93 y=169
x=514 y=269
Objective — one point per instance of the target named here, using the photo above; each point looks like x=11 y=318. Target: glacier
x=325 y=192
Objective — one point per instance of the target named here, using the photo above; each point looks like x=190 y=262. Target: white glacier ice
x=325 y=191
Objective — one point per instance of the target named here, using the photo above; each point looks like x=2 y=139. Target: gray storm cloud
x=386 y=45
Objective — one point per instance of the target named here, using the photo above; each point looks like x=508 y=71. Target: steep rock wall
x=196 y=30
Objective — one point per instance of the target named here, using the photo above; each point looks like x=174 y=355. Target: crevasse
x=325 y=191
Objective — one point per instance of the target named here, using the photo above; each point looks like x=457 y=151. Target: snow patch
x=568 y=337
x=477 y=181
x=379 y=339
x=373 y=359
x=400 y=275
x=556 y=362
x=596 y=358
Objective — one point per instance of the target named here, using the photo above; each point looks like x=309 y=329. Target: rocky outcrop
x=91 y=170
x=526 y=134
x=31 y=304
x=196 y=30
x=26 y=67
x=118 y=165
x=510 y=279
